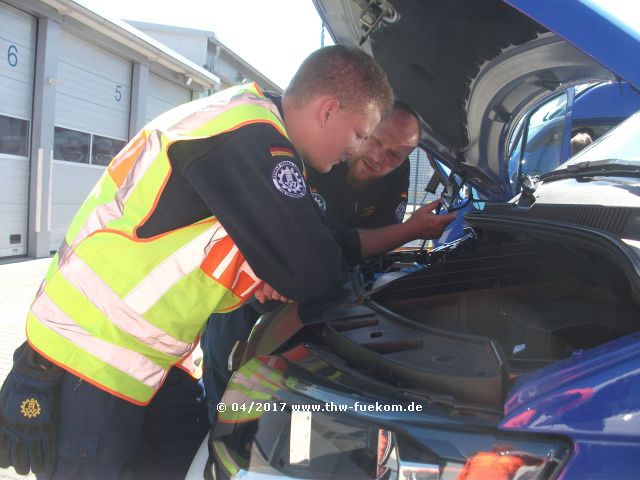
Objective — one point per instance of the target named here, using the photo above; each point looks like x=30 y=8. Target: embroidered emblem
x=320 y=201
x=281 y=152
x=30 y=408
x=288 y=179
x=402 y=206
x=368 y=211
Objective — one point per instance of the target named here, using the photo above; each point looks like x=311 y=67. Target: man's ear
x=328 y=107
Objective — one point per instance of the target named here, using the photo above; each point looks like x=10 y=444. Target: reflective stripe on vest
x=119 y=310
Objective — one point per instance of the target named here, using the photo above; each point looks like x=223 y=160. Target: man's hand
x=427 y=225
x=267 y=292
x=423 y=224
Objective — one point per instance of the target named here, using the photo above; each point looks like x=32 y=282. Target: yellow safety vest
x=118 y=310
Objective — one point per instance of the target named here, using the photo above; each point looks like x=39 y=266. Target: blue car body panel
x=605 y=101
x=590 y=392
x=601 y=33
x=594 y=399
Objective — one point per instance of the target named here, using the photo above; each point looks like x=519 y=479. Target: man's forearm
x=423 y=224
x=376 y=241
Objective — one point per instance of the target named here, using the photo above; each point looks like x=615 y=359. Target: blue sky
x=273 y=36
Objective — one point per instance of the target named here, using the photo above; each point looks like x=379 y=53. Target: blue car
x=513 y=351
x=547 y=135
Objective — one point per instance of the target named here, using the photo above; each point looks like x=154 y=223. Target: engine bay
x=467 y=320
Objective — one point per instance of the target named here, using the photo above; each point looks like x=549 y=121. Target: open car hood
x=471 y=69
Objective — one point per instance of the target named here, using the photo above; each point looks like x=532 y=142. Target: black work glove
x=28 y=411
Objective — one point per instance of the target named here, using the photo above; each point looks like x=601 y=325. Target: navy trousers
x=217 y=341
x=101 y=436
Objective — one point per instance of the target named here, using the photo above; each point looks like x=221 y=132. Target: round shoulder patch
x=320 y=201
x=402 y=207
x=288 y=179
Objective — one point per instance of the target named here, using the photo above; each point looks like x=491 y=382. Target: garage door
x=163 y=96
x=93 y=95
x=17 y=60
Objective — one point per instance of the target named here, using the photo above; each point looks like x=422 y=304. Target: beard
x=359 y=176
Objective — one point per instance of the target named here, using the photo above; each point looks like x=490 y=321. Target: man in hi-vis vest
x=364 y=201
x=204 y=208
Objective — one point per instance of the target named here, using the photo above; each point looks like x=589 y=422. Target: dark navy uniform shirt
x=381 y=203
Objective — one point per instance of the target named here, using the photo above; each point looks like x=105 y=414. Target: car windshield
x=621 y=143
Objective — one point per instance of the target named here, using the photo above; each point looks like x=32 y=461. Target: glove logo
x=30 y=408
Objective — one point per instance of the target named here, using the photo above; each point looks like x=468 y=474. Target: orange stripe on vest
x=236 y=275
x=121 y=164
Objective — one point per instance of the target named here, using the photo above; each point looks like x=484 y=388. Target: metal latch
x=528 y=186
x=373 y=14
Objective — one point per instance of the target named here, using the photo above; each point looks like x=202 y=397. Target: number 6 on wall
x=12 y=55
x=118 y=94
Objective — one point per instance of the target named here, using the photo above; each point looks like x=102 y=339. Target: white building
x=74 y=88
x=205 y=49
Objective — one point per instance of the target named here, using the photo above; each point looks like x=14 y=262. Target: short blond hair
x=347 y=73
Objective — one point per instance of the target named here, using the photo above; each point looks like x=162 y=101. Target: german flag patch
x=281 y=152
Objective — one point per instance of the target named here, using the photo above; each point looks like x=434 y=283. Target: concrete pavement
x=19 y=281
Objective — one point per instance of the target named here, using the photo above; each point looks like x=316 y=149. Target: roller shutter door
x=17 y=63
x=93 y=98
x=163 y=96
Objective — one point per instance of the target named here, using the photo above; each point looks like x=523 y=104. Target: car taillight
x=440 y=455
x=493 y=465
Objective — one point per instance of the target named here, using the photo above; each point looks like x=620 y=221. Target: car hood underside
x=468 y=68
